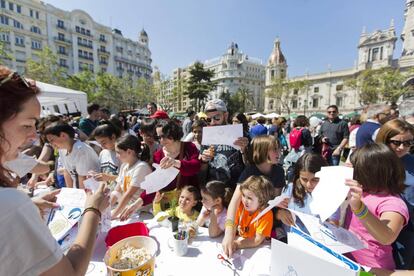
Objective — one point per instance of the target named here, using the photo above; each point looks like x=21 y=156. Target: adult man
x=152 y=108
x=105 y=113
x=188 y=122
x=377 y=115
x=335 y=133
x=259 y=129
x=88 y=124
x=225 y=163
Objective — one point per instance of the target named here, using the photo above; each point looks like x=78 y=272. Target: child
x=197 y=128
x=77 y=157
x=376 y=212
x=215 y=197
x=148 y=134
x=256 y=192
x=300 y=190
x=185 y=211
x=134 y=168
x=106 y=136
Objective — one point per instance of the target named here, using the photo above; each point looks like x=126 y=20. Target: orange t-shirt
x=262 y=226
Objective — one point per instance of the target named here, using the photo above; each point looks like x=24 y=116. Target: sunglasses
x=216 y=118
x=15 y=75
x=406 y=144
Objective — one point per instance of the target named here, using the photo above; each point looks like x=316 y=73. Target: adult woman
x=398 y=135
x=240 y=118
x=174 y=153
x=265 y=157
x=26 y=242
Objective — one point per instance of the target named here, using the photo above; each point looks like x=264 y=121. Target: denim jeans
x=334 y=160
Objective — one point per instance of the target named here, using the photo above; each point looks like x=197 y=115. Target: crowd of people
x=220 y=187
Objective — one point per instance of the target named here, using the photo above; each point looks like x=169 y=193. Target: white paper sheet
x=336 y=238
x=159 y=179
x=222 y=135
x=272 y=203
x=331 y=190
x=91 y=184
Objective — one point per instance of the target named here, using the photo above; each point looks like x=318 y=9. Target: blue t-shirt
x=408 y=161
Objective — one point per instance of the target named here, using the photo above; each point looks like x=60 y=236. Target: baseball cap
x=160 y=114
x=215 y=105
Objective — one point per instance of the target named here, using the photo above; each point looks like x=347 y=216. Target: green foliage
x=46 y=69
x=385 y=84
x=199 y=84
x=282 y=91
x=3 y=52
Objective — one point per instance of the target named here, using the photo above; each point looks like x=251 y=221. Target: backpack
x=295 y=138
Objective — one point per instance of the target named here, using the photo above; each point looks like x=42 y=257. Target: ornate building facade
x=27 y=26
x=375 y=50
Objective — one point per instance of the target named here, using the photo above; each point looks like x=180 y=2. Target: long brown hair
x=393 y=128
x=13 y=94
x=378 y=169
x=309 y=162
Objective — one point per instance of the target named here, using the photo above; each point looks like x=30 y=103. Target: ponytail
x=132 y=142
x=145 y=153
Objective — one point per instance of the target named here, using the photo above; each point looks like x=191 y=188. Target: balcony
x=85 y=57
x=62 y=27
x=103 y=62
x=64 y=66
x=103 y=52
x=101 y=39
x=85 y=45
x=120 y=69
x=62 y=40
x=63 y=53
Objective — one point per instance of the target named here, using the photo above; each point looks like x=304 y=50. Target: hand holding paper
x=222 y=135
x=272 y=203
x=159 y=179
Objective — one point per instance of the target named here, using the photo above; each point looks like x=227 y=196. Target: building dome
x=277 y=57
x=143 y=33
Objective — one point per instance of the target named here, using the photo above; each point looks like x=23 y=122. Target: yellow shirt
x=177 y=212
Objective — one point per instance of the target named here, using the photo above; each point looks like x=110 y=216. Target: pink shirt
x=376 y=254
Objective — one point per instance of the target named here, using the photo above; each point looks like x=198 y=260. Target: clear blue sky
x=313 y=33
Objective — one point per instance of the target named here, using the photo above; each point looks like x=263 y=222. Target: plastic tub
x=124 y=231
x=137 y=241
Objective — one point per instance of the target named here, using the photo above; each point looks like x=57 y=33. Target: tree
x=3 y=51
x=244 y=98
x=46 y=69
x=199 y=84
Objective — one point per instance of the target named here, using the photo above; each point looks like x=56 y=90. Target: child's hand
x=158 y=197
x=355 y=193
x=284 y=204
x=206 y=214
x=286 y=217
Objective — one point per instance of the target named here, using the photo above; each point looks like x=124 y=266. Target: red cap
x=160 y=114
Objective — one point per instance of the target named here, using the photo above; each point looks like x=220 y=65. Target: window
x=90 y=56
x=315 y=103
x=3 y=4
x=31 y=13
x=90 y=44
x=62 y=62
x=11 y=6
x=61 y=36
x=374 y=55
x=295 y=92
x=4 y=37
x=339 y=87
x=18 y=8
x=339 y=101
x=102 y=38
x=61 y=24
x=36 y=44
x=17 y=24
x=80 y=53
x=77 y=29
x=381 y=52
x=37 y=15
x=316 y=89
x=4 y=20
x=295 y=103
x=88 y=32
x=35 y=29
x=61 y=50
x=19 y=40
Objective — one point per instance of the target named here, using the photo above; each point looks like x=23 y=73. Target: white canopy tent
x=272 y=115
x=257 y=115
x=57 y=99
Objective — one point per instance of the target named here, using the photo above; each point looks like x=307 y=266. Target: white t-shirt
x=132 y=176
x=22 y=165
x=221 y=218
x=109 y=162
x=27 y=247
x=80 y=160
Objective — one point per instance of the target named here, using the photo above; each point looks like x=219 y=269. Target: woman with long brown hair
x=28 y=248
